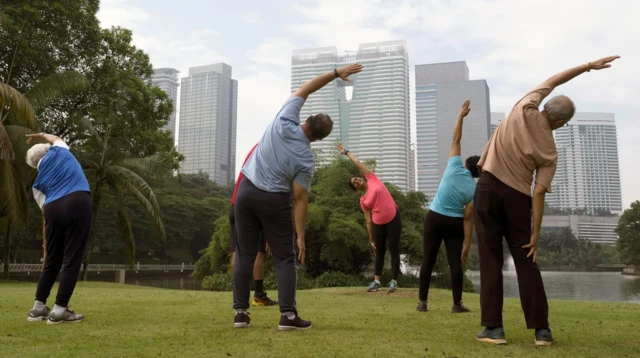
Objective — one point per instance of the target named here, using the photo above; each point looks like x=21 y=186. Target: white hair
x=35 y=153
x=560 y=108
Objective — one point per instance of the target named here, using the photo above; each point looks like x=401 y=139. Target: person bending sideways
x=280 y=169
x=62 y=192
x=382 y=216
x=450 y=218
x=260 y=298
x=505 y=207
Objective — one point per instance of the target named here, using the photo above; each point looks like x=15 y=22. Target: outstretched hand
x=465 y=109
x=33 y=138
x=340 y=148
x=348 y=70
x=604 y=62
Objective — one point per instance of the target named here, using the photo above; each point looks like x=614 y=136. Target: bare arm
x=49 y=138
x=568 y=75
x=320 y=81
x=361 y=167
x=369 y=221
x=539 y=192
x=300 y=206
x=455 y=149
x=468 y=224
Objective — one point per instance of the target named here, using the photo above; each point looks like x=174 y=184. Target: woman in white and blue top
x=62 y=192
x=450 y=218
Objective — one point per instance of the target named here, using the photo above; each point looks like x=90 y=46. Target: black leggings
x=436 y=228
x=68 y=227
x=388 y=233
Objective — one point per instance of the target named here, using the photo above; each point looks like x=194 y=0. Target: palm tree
x=17 y=118
x=110 y=169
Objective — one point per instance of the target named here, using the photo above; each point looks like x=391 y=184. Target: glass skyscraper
x=167 y=80
x=375 y=122
x=208 y=118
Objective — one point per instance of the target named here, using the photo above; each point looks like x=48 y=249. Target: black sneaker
x=67 y=316
x=459 y=308
x=39 y=315
x=242 y=320
x=492 y=335
x=296 y=324
x=543 y=337
x=422 y=307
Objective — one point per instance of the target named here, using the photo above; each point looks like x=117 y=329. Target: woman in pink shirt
x=384 y=224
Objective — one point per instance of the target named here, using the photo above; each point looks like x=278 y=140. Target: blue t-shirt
x=456 y=190
x=59 y=174
x=283 y=154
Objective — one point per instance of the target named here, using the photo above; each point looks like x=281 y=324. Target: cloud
x=252 y=18
x=273 y=52
x=120 y=13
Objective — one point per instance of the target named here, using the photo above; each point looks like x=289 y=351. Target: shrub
x=339 y=279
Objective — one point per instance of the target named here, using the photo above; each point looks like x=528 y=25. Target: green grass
x=131 y=321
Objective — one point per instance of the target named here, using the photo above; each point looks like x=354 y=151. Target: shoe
x=296 y=324
x=374 y=287
x=67 y=316
x=422 y=307
x=39 y=315
x=459 y=308
x=393 y=286
x=242 y=320
x=492 y=335
x=543 y=337
x=263 y=300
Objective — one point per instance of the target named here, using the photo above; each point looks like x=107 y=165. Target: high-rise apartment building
x=167 y=80
x=496 y=119
x=441 y=89
x=374 y=123
x=588 y=173
x=208 y=118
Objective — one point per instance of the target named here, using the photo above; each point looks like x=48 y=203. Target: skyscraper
x=208 y=118
x=588 y=173
x=374 y=124
x=167 y=80
x=441 y=89
x=496 y=119
x=412 y=168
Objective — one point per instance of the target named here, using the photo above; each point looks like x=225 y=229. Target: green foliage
x=629 y=235
x=339 y=279
x=216 y=258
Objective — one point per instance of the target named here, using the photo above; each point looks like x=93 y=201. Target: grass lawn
x=131 y=321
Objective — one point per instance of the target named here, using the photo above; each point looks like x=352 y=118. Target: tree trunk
x=97 y=196
x=7 y=250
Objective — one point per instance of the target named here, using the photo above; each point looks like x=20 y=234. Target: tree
x=629 y=235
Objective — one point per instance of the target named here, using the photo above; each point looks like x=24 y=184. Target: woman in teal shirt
x=450 y=218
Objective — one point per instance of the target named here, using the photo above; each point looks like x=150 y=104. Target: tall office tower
x=374 y=123
x=441 y=89
x=167 y=80
x=588 y=174
x=496 y=119
x=208 y=118
x=412 y=167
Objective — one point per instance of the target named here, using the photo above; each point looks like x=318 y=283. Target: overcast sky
x=513 y=44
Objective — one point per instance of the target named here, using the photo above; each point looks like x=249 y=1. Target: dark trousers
x=501 y=211
x=438 y=227
x=67 y=227
x=270 y=213
x=388 y=234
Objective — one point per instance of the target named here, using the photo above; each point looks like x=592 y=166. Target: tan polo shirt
x=522 y=144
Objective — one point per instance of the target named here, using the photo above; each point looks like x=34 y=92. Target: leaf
x=4 y=20
x=20 y=111
x=55 y=86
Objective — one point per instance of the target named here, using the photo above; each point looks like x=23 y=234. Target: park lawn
x=133 y=321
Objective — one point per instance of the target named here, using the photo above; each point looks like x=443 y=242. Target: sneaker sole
x=419 y=310
x=58 y=322
x=292 y=328
x=499 y=342
x=241 y=325
x=374 y=290
x=543 y=343
x=37 y=319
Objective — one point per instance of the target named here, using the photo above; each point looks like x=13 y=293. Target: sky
x=513 y=44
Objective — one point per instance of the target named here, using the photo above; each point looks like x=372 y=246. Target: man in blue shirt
x=279 y=170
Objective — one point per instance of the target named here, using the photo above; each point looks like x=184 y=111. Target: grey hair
x=35 y=153
x=560 y=108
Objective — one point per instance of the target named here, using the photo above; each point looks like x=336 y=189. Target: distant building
x=208 y=119
x=412 y=168
x=167 y=80
x=496 y=119
x=597 y=229
x=441 y=89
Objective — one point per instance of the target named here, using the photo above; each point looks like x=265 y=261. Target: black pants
x=501 y=211
x=270 y=213
x=438 y=227
x=388 y=234
x=233 y=233
x=67 y=227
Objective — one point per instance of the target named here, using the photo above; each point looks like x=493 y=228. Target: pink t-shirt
x=378 y=200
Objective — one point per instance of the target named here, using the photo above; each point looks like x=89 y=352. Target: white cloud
x=120 y=13
x=272 y=51
x=252 y=18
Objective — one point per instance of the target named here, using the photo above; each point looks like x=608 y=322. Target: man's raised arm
x=568 y=75
x=318 y=82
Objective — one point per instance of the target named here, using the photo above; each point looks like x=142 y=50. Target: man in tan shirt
x=522 y=144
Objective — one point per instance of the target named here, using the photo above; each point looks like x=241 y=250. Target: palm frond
x=86 y=123
x=151 y=169
x=124 y=219
x=13 y=196
x=131 y=182
x=4 y=20
x=6 y=148
x=55 y=86
x=17 y=106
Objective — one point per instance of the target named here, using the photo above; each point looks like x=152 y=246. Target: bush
x=218 y=282
x=339 y=279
